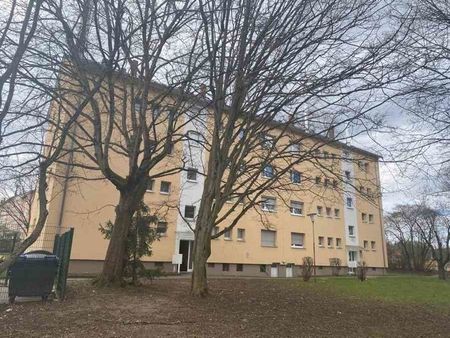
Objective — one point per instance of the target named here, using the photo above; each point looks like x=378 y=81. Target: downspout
x=65 y=186
x=380 y=211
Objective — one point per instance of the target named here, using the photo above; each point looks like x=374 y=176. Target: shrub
x=336 y=265
x=307 y=268
x=361 y=271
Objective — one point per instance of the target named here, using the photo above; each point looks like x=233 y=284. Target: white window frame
x=190 y=171
x=301 y=243
x=274 y=238
x=169 y=184
x=293 y=172
x=264 y=171
x=240 y=234
x=351 y=233
x=266 y=206
x=294 y=209
x=184 y=213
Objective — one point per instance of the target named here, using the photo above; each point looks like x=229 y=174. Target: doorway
x=186 y=250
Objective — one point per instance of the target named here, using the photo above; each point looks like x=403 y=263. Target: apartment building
x=347 y=227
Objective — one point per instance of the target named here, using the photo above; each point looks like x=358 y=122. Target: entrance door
x=274 y=270
x=186 y=251
x=289 y=273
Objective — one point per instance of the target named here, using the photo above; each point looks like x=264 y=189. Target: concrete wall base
x=94 y=267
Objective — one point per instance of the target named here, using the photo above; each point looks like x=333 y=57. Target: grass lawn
x=427 y=290
x=237 y=308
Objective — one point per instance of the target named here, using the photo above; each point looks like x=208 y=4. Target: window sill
x=330 y=247
x=321 y=246
x=227 y=239
x=164 y=193
x=339 y=247
x=268 y=246
x=270 y=211
x=152 y=191
x=192 y=181
x=298 y=215
x=297 y=247
x=352 y=236
x=240 y=240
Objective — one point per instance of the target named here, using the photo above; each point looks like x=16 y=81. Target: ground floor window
x=262 y=268
x=225 y=267
x=239 y=267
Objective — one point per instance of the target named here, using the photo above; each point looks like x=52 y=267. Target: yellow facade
x=87 y=203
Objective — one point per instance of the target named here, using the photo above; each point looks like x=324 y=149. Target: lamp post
x=312 y=216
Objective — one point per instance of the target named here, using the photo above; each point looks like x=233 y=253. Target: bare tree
x=271 y=66
x=131 y=119
x=434 y=227
x=401 y=229
x=15 y=207
x=18 y=24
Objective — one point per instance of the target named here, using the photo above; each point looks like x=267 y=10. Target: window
x=227 y=234
x=191 y=174
x=268 y=238
x=268 y=203
x=326 y=155
x=241 y=134
x=321 y=240
x=372 y=245
x=189 y=211
x=239 y=267
x=330 y=241
x=351 y=230
x=194 y=138
x=335 y=183
x=370 y=218
x=150 y=185
x=296 y=177
x=369 y=192
x=366 y=245
x=294 y=148
x=215 y=231
x=137 y=104
x=366 y=166
x=318 y=180
x=364 y=217
x=267 y=141
x=268 y=171
x=352 y=256
x=328 y=211
x=225 y=267
x=326 y=182
x=161 y=228
x=296 y=208
x=262 y=268
x=156 y=111
x=241 y=234
x=361 y=189
x=338 y=242
x=336 y=213
x=165 y=187
x=159 y=264
x=297 y=239
x=319 y=210
x=211 y=265
x=349 y=202
x=347 y=175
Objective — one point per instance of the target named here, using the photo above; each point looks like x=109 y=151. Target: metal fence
x=56 y=240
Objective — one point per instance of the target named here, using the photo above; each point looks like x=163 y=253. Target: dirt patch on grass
x=236 y=308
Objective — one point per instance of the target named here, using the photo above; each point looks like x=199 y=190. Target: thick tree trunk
x=202 y=251
x=113 y=267
x=442 y=272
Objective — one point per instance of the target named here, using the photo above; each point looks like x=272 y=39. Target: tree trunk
x=442 y=272
x=202 y=251
x=115 y=259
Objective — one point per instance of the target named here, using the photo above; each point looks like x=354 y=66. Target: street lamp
x=312 y=216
